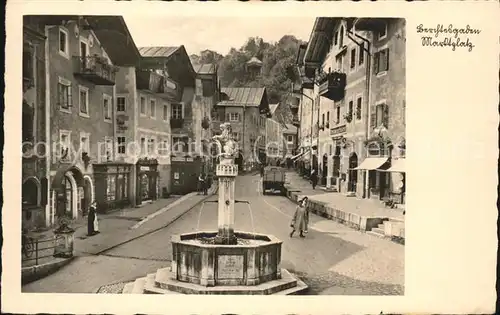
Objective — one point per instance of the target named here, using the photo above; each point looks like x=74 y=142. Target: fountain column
x=226 y=171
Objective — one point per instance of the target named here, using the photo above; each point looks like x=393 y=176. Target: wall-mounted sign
x=178 y=159
x=189 y=159
x=176 y=175
x=144 y=168
x=338 y=130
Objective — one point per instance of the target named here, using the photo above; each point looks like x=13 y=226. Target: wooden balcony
x=151 y=81
x=176 y=123
x=332 y=85
x=94 y=69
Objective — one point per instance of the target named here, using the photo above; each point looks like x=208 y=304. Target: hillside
x=275 y=58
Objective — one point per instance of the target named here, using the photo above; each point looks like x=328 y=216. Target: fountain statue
x=223 y=261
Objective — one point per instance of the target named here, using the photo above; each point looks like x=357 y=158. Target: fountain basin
x=254 y=260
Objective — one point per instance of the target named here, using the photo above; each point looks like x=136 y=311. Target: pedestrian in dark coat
x=314 y=178
x=92 y=225
x=300 y=218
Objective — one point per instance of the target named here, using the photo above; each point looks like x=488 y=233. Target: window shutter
x=373 y=118
x=386 y=59
x=385 y=116
x=70 y=95
x=375 y=62
x=227 y=116
x=239 y=117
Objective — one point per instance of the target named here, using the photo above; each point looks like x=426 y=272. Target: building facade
x=247 y=110
x=34 y=163
x=358 y=88
x=80 y=59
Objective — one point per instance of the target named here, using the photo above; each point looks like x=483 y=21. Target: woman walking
x=300 y=218
x=92 y=225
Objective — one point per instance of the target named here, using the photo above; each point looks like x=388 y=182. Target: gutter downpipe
x=49 y=209
x=368 y=91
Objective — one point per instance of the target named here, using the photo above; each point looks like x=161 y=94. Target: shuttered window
x=380 y=116
x=381 y=61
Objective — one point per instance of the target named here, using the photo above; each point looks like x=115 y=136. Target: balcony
x=94 y=69
x=176 y=123
x=153 y=82
x=332 y=85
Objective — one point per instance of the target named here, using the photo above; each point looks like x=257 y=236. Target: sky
x=215 y=33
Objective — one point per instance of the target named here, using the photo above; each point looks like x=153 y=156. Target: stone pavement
x=116 y=228
x=362 y=214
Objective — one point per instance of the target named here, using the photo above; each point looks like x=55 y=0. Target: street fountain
x=223 y=261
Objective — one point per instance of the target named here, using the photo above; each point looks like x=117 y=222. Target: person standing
x=314 y=178
x=201 y=183
x=204 y=184
x=92 y=224
x=300 y=218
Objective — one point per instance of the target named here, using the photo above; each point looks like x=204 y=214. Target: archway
x=65 y=183
x=70 y=195
x=31 y=192
x=353 y=174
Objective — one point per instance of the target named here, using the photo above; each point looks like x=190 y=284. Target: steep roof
x=290 y=129
x=254 y=61
x=156 y=51
x=207 y=68
x=273 y=107
x=242 y=96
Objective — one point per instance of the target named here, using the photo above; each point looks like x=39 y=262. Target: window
x=84 y=142
x=359 y=103
x=121 y=104
x=289 y=138
x=106 y=107
x=64 y=94
x=152 y=108
x=199 y=87
x=151 y=146
x=177 y=111
x=351 y=105
x=121 y=145
x=380 y=116
x=339 y=62
x=143 y=146
x=63 y=43
x=234 y=117
x=163 y=149
x=381 y=34
x=323 y=119
x=336 y=38
x=361 y=59
x=179 y=144
x=165 y=112
x=111 y=187
x=109 y=148
x=341 y=36
x=353 y=58
x=381 y=61
x=84 y=101
x=338 y=115
x=143 y=105
x=328 y=119
x=65 y=144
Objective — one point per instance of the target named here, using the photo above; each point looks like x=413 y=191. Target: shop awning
x=371 y=164
x=397 y=165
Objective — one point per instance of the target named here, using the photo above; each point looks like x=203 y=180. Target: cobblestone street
x=332 y=259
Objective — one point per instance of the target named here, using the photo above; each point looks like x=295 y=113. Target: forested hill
x=274 y=56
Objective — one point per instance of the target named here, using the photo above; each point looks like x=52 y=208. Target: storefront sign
x=338 y=130
x=144 y=168
x=178 y=159
x=189 y=159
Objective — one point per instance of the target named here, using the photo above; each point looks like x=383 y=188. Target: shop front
x=147 y=180
x=67 y=185
x=112 y=185
x=185 y=172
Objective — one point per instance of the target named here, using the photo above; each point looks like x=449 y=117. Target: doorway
x=324 y=170
x=84 y=52
x=353 y=174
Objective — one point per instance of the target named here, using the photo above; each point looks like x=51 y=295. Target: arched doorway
x=88 y=194
x=324 y=170
x=353 y=174
x=70 y=195
x=31 y=192
x=66 y=183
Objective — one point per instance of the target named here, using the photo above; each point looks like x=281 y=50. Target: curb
x=162 y=210
x=33 y=273
x=352 y=220
x=210 y=194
